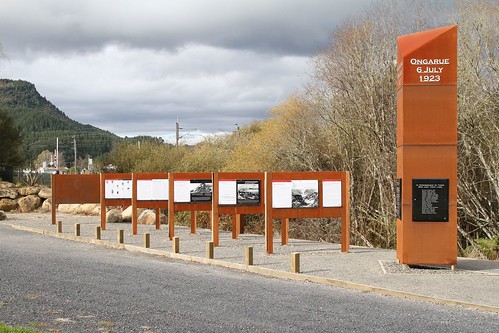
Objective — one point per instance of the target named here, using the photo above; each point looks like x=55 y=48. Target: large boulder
x=47 y=205
x=29 y=203
x=3 y=216
x=45 y=193
x=127 y=213
x=29 y=190
x=88 y=209
x=4 y=184
x=96 y=211
x=8 y=205
x=68 y=208
x=10 y=193
x=149 y=217
x=114 y=216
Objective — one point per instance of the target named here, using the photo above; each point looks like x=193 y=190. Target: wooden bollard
x=295 y=262
x=248 y=255
x=147 y=240
x=97 y=232
x=77 y=229
x=176 y=245
x=59 y=227
x=121 y=236
x=210 y=250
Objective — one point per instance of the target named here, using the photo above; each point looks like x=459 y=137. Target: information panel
x=331 y=193
x=192 y=190
x=239 y=192
x=430 y=200
x=152 y=189
x=295 y=193
x=118 y=189
x=282 y=194
x=227 y=192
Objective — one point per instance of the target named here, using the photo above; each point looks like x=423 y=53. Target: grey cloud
x=278 y=26
x=131 y=67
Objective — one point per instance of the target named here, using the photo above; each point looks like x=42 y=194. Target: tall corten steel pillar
x=427 y=147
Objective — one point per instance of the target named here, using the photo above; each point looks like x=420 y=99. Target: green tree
x=11 y=153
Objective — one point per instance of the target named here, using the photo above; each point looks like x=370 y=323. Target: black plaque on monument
x=430 y=200
x=398 y=198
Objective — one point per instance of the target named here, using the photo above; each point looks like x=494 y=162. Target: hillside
x=41 y=123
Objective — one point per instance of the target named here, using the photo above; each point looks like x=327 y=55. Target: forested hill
x=41 y=123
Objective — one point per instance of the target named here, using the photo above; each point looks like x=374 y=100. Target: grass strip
x=9 y=329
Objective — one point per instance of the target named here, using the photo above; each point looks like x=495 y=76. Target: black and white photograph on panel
x=201 y=190
x=248 y=192
x=305 y=193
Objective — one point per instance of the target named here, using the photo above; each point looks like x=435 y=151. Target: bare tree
x=478 y=150
x=353 y=90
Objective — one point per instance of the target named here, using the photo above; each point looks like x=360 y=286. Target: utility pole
x=237 y=131
x=177 y=132
x=74 y=142
x=57 y=155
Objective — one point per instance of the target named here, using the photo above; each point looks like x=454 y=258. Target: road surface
x=51 y=284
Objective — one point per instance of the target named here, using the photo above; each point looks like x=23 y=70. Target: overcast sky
x=133 y=66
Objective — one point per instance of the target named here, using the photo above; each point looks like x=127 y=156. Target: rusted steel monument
x=427 y=147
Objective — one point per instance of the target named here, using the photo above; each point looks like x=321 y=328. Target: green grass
x=9 y=329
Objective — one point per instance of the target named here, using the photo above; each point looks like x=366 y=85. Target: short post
x=97 y=232
x=147 y=240
x=248 y=255
x=59 y=227
x=176 y=245
x=295 y=262
x=210 y=250
x=77 y=229
x=121 y=236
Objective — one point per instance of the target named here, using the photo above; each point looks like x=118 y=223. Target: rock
x=149 y=217
x=114 y=216
x=29 y=203
x=88 y=209
x=45 y=193
x=4 y=184
x=29 y=190
x=96 y=211
x=68 y=208
x=47 y=205
x=8 y=193
x=127 y=213
x=8 y=205
x=3 y=216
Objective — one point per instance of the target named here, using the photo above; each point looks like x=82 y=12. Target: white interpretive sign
x=282 y=194
x=227 y=192
x=331 y=193
x=152 y=189
x=118 y=189
x=182 y=190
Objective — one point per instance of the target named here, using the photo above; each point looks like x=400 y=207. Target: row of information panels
x=277 y=195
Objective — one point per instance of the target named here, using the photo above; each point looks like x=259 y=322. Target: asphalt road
x=56 y=285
